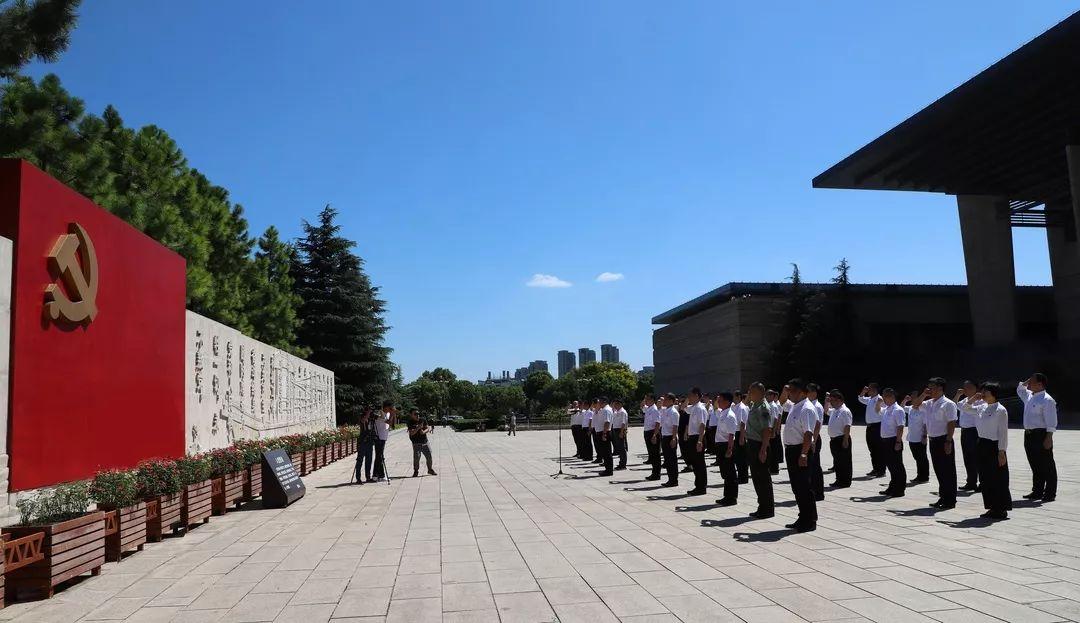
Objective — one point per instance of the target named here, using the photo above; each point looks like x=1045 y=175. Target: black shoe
x=793 y=526
x=819 y=498
x=967 y=487
x=686 y=469
x=415 y=474
x=913 y=482
x=620 y=467
x=1049 y=498
x=946 y=507
x=605 y=473
x=743 y=481
x=894 y=494
x=872 y=473
x=999 y=516
x=936 y=504
x=1033 y=496
x=693 y=492
x=671 y=483
x=431 y=472
x=977 y=489
x=806 y=528
x=837 y=485
x=726 y=502
x=652 y=478
x=774 y=472
x=761 y=515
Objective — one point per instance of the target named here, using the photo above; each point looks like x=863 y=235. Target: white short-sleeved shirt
x=892 y=416
x=620 y=418
x=382 y=425
x=820 y=411
x=801 y=419
x=1040 y=409
x=966 y=420
x=774 y=411
x=601 y=417
x=872 y=415
x=741 y=411
x=938 y=415
x=726 y=424
x=575 y=418
x=838 y=419
x=916 y=424
x=669 y=421
x=652 y=416
x=699 y=419
x=714 y=414
x=991 y=420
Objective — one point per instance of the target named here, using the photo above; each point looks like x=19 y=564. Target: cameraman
x=418 y=429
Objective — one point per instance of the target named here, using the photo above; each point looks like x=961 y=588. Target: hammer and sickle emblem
x=74 y=262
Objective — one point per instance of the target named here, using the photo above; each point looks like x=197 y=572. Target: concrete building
x=537 y=366
x=567 y=361
x=609 y=353
x=586 y=355
x=646 y=371
x=1006 y=144
x=722 y=339
x=521 y=373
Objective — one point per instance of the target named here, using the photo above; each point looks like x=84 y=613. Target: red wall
x=105 y=394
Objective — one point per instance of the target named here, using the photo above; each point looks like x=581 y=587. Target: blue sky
x=472 y=145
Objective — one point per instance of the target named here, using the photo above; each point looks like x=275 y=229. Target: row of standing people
x=752 y=434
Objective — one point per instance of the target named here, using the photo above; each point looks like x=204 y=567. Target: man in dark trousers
x=602 y=434
x=1040 y=423
x=869 y=397
x=669 y=439
x=725 y=432
x=969 y=437
x=941 y=421
x=741 y=411
x=652 y=435
x=694 y=440
x=798 y=438
x=384 y=421
x=758 y=435
x=839 y=438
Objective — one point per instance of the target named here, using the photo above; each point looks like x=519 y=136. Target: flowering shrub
x=225 y=461
x=251 y=450
x=53 y=505
x=157 y=477
x=192 y=469
x=114 y=489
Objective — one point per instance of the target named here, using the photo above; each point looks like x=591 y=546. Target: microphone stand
x=560 y=472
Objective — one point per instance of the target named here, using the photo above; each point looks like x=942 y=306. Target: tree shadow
x=730 y=522
x=770 y=536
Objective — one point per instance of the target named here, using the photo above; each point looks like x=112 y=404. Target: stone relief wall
x=240 y=388
x=8 y=514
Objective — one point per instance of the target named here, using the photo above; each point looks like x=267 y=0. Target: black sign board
x=281 y=485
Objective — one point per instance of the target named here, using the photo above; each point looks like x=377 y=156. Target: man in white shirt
x=619 y=423
x=916 y=436
x=602 y=433
x=941 y=421
x=652 y=435
x=969 y=437
x=1040 y=423
x=386 y=420
x=839 y=438
x=892 y=442
x=586 y=432
x=710 y=430
x=776 y=445
x=869 y=397
x=575 y=428
x=598 y=458
x=798 y=438
x=727 y=426
x=742 y=412
x=694 y=440
x=817 y=476
x=669 y=439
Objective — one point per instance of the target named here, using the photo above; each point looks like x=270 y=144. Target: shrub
x=251 y=450
x=53 y=505
x=193 y=468
x=114 y=489
x=157 y=477
x=225 y=461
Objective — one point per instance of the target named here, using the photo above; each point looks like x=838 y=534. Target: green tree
x=34 y=30
x=429 y=396
x=501 y=400
x=439 y=375
x=781 y=365
x=273 y=300
x=341 y=315
x=535 y=386
x=563 y=391
x=613 y=380
x=463 y=396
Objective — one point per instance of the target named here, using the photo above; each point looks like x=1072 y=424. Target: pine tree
x=341 y=316
x=274 y=301
x=781 y=365
x=34 y=30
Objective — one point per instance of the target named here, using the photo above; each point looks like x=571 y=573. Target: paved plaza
x=494 y=538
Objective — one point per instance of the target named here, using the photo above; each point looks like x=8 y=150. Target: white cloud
x=540 y=280
x=606 y=277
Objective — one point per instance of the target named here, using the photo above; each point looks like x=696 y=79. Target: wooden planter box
x=227 y=489
x=67 y=549
x=298 y=463
x=339 y=450
x=320 y=456
x=352 y=446
x=197 y=503
x=125 y=531
x=162 y=513
x=310 y=462
x=252 y=482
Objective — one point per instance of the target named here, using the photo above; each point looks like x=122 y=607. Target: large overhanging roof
x=1002 y=133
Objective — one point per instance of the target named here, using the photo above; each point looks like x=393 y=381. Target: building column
x=1065 y=271
x=1072 y=158
x=991 y=275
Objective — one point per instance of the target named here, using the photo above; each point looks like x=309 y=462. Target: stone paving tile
x=494 y=539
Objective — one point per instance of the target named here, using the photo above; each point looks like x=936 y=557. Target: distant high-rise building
x=609 y=353
x=586 y=355
x=521 y=374
x=646 y=371
x=566 y=362
x=537 y=366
